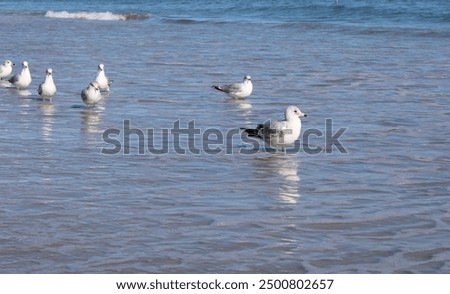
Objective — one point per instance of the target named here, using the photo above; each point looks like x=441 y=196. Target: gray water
x=382 y=207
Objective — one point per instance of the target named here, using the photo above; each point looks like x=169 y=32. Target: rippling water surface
x=382 y=207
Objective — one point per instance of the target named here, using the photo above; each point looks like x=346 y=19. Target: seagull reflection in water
x=90 y=119
x=48 y=109
x=284 y=170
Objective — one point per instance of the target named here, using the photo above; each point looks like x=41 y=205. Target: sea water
x=365 y=189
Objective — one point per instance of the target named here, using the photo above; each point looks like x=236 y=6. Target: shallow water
x=382 y=207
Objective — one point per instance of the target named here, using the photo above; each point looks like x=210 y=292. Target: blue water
x=378 y=69
x=406 y=13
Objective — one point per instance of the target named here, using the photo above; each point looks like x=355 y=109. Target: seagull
x=280 y=133
x=237 y=90
x=6 y=69
x=22 y=80
x=102 y=79
x=91 y=95
x=47 y=89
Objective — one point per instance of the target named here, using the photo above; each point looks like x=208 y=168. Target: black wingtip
x=251 y=132
x=217 y=88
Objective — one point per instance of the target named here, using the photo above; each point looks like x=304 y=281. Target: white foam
x=86 y=15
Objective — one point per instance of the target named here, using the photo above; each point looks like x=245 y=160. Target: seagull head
x=101 y=66
x=94 y=85
x=25 y=64
x=293 y=112
x=8 y=62
x=247 y=78
x=49 y=71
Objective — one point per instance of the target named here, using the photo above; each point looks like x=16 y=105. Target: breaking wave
x=95 y=15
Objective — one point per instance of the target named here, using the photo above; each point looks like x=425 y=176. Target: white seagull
x=22 y=80
x=237 y=90
x=102 y=79
x=280 y=133
x=6 y=69
x=47 y=89
x=91 y=95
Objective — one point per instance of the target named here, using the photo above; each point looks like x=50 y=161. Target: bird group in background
x=274 y=133
x=91 y=95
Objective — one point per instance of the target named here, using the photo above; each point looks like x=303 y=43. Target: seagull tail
x=251 y=132
x=217 y=88
x=254 y=132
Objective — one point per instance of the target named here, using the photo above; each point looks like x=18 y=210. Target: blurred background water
x=379 y=69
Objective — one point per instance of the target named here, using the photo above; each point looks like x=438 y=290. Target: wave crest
x=95 y=15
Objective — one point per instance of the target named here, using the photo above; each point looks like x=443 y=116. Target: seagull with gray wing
x=237 y=90
x=91 y=94
x=6 y=69
x=23 y=79
x=47 y=89
x=103 y=81
x=280 y=133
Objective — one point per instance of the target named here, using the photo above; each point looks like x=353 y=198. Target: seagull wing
x=231 y=88
x=14 y=79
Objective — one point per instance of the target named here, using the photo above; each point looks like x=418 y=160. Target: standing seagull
x=280 y=133
x=237 y=90
x=47 y=89
x=6 y=69
x=23 y=80
x=91 y=95
x=102 y=79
